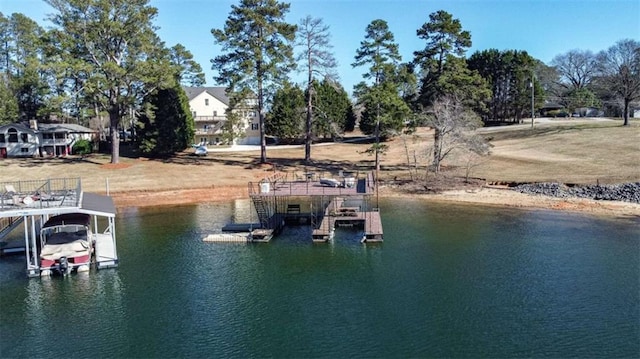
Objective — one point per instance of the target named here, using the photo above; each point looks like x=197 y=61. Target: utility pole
x=532 y=98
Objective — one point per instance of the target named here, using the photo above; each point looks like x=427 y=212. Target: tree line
x=105 y=57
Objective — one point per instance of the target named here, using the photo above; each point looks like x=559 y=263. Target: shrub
x=558 y=113
x=83 y=147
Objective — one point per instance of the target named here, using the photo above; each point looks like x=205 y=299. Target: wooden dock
x=227 y=237
x=274 y=198
x=257 y=235
x=338 y=215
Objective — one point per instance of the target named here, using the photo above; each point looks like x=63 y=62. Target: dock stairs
x=262 y=208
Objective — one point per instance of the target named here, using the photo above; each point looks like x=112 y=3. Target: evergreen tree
x=509 y=75
x=22 y=60
x=384 y=111
x=286 y=118
x=113 y=43
x=165 y=125
x=444 y=39
x=333 y=109
x=9 y=111
x=190 y=73
x=257 y=53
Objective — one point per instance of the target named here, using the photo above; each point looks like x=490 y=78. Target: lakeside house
x=41 y=139
x=209 y=105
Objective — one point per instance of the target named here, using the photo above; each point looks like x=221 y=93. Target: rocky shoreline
x=626 y=192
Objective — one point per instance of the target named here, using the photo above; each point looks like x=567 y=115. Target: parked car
x=201 y=151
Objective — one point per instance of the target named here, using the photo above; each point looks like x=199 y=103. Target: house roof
x=18 y=126
x=63 y=127
x=218 y=92
x=49 y=127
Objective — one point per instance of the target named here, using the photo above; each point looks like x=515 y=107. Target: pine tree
x=256 y=42
x=384 y=108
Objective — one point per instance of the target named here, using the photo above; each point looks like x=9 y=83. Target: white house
x=208 y=107
x=40 y=139
x=18 y=140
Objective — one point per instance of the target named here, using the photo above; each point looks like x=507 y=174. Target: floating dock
x=257 y=235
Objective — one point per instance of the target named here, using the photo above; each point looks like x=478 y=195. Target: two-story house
x=40 y=139
x=208 y=107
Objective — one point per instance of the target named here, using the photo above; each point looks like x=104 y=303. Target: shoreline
x=480 y=196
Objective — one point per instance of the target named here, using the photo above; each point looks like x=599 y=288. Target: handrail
x=40 y=193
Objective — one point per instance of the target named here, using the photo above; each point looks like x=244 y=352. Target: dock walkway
x=106 y=256
x=336 y=215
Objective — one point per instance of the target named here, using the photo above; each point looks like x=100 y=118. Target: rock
x=627 y=192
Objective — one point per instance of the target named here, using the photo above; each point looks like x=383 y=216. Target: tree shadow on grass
x=33 y=162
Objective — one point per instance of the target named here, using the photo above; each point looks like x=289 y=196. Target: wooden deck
x=311 y=188
x=279 y=185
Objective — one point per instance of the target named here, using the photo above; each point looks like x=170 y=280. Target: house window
x=255 y=127
x=215 y=113
x=13 y=135
x=24 y=150
x=206 y=102
x=194 y=114
x=25 y=137
x=1 y=137
x=47 y=136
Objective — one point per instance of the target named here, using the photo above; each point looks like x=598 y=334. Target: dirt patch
x=115 y=166
x=179 y=196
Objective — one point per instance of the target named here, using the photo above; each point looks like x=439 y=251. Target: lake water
x=449 y=281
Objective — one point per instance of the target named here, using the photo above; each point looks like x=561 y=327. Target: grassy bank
x=569 y=152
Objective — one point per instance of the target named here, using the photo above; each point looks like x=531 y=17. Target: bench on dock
x=293 y=209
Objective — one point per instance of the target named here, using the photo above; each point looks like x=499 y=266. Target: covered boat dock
x=29 y=204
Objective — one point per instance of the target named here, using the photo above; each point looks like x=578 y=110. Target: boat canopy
x=80 y=219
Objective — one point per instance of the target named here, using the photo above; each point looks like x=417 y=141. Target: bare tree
x=454 y=127
x=313 y=39
x=619 y=73
x=576 y=68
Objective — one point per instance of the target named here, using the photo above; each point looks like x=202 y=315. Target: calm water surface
x=449 y=281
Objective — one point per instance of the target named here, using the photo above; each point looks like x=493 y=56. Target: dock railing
x=313 y=183
x=52 y=192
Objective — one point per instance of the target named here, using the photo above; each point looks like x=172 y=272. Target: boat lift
x=31 y=203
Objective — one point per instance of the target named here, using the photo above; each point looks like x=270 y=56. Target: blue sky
x=543 y=28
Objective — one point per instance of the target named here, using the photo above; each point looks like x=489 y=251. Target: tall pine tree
x=257 y=53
